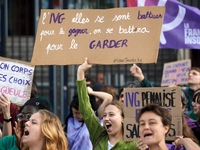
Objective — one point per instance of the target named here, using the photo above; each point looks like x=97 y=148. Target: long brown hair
x=120 y=106
x=51 y=126
x=197 y=96
x=187 y=132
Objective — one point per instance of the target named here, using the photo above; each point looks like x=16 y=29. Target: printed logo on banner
x=171 y=25
x=180 y=26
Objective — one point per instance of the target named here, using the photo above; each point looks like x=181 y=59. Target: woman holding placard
x=190 y=127
x=111 y=135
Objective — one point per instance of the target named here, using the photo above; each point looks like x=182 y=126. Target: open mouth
x=148 y=135
x=26 y=132
x=108 y=126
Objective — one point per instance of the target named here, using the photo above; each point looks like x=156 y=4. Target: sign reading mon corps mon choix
x=16 y=80
x=112 y=36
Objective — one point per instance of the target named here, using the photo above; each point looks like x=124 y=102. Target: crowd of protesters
x=96 y=118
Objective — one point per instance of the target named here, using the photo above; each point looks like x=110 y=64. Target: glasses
x=195 y=103
x=24 y=116
x=121 y=95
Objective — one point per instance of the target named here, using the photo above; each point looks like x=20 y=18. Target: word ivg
x=132 y=98
x=57 y=18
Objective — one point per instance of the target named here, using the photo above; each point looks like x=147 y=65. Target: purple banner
x=181 y=25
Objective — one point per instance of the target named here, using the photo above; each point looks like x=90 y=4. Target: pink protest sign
x=176 y=72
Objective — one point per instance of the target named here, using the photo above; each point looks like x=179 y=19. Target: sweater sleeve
x=94 y=127
x=145 y=83
x=8 y=143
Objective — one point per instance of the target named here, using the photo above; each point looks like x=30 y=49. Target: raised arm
x=81 y=70
x=137 y=72
x=94 y=127
x=106 y=97
x=5 y=105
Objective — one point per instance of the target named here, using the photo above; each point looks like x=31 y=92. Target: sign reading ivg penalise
x=16 y=80
x=136 y=98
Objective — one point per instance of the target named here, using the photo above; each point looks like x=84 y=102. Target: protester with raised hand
x=77 y=132
x=111 y=135
x=5 y=105
x=137 y=72
x=8 y=112
x=106 y=97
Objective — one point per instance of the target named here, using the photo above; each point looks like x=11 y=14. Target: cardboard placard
x=112 y=36
x=137 y=98
x=16 y=80
x=176 y=71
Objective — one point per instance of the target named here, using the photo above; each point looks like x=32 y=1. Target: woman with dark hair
x=196 y=104
x=30 y=107
x=77 y=133
x=75 y=127
x=154 y=122
x=191 y=128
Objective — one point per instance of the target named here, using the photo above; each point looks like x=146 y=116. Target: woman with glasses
x=196 y=103
x=30 y=107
